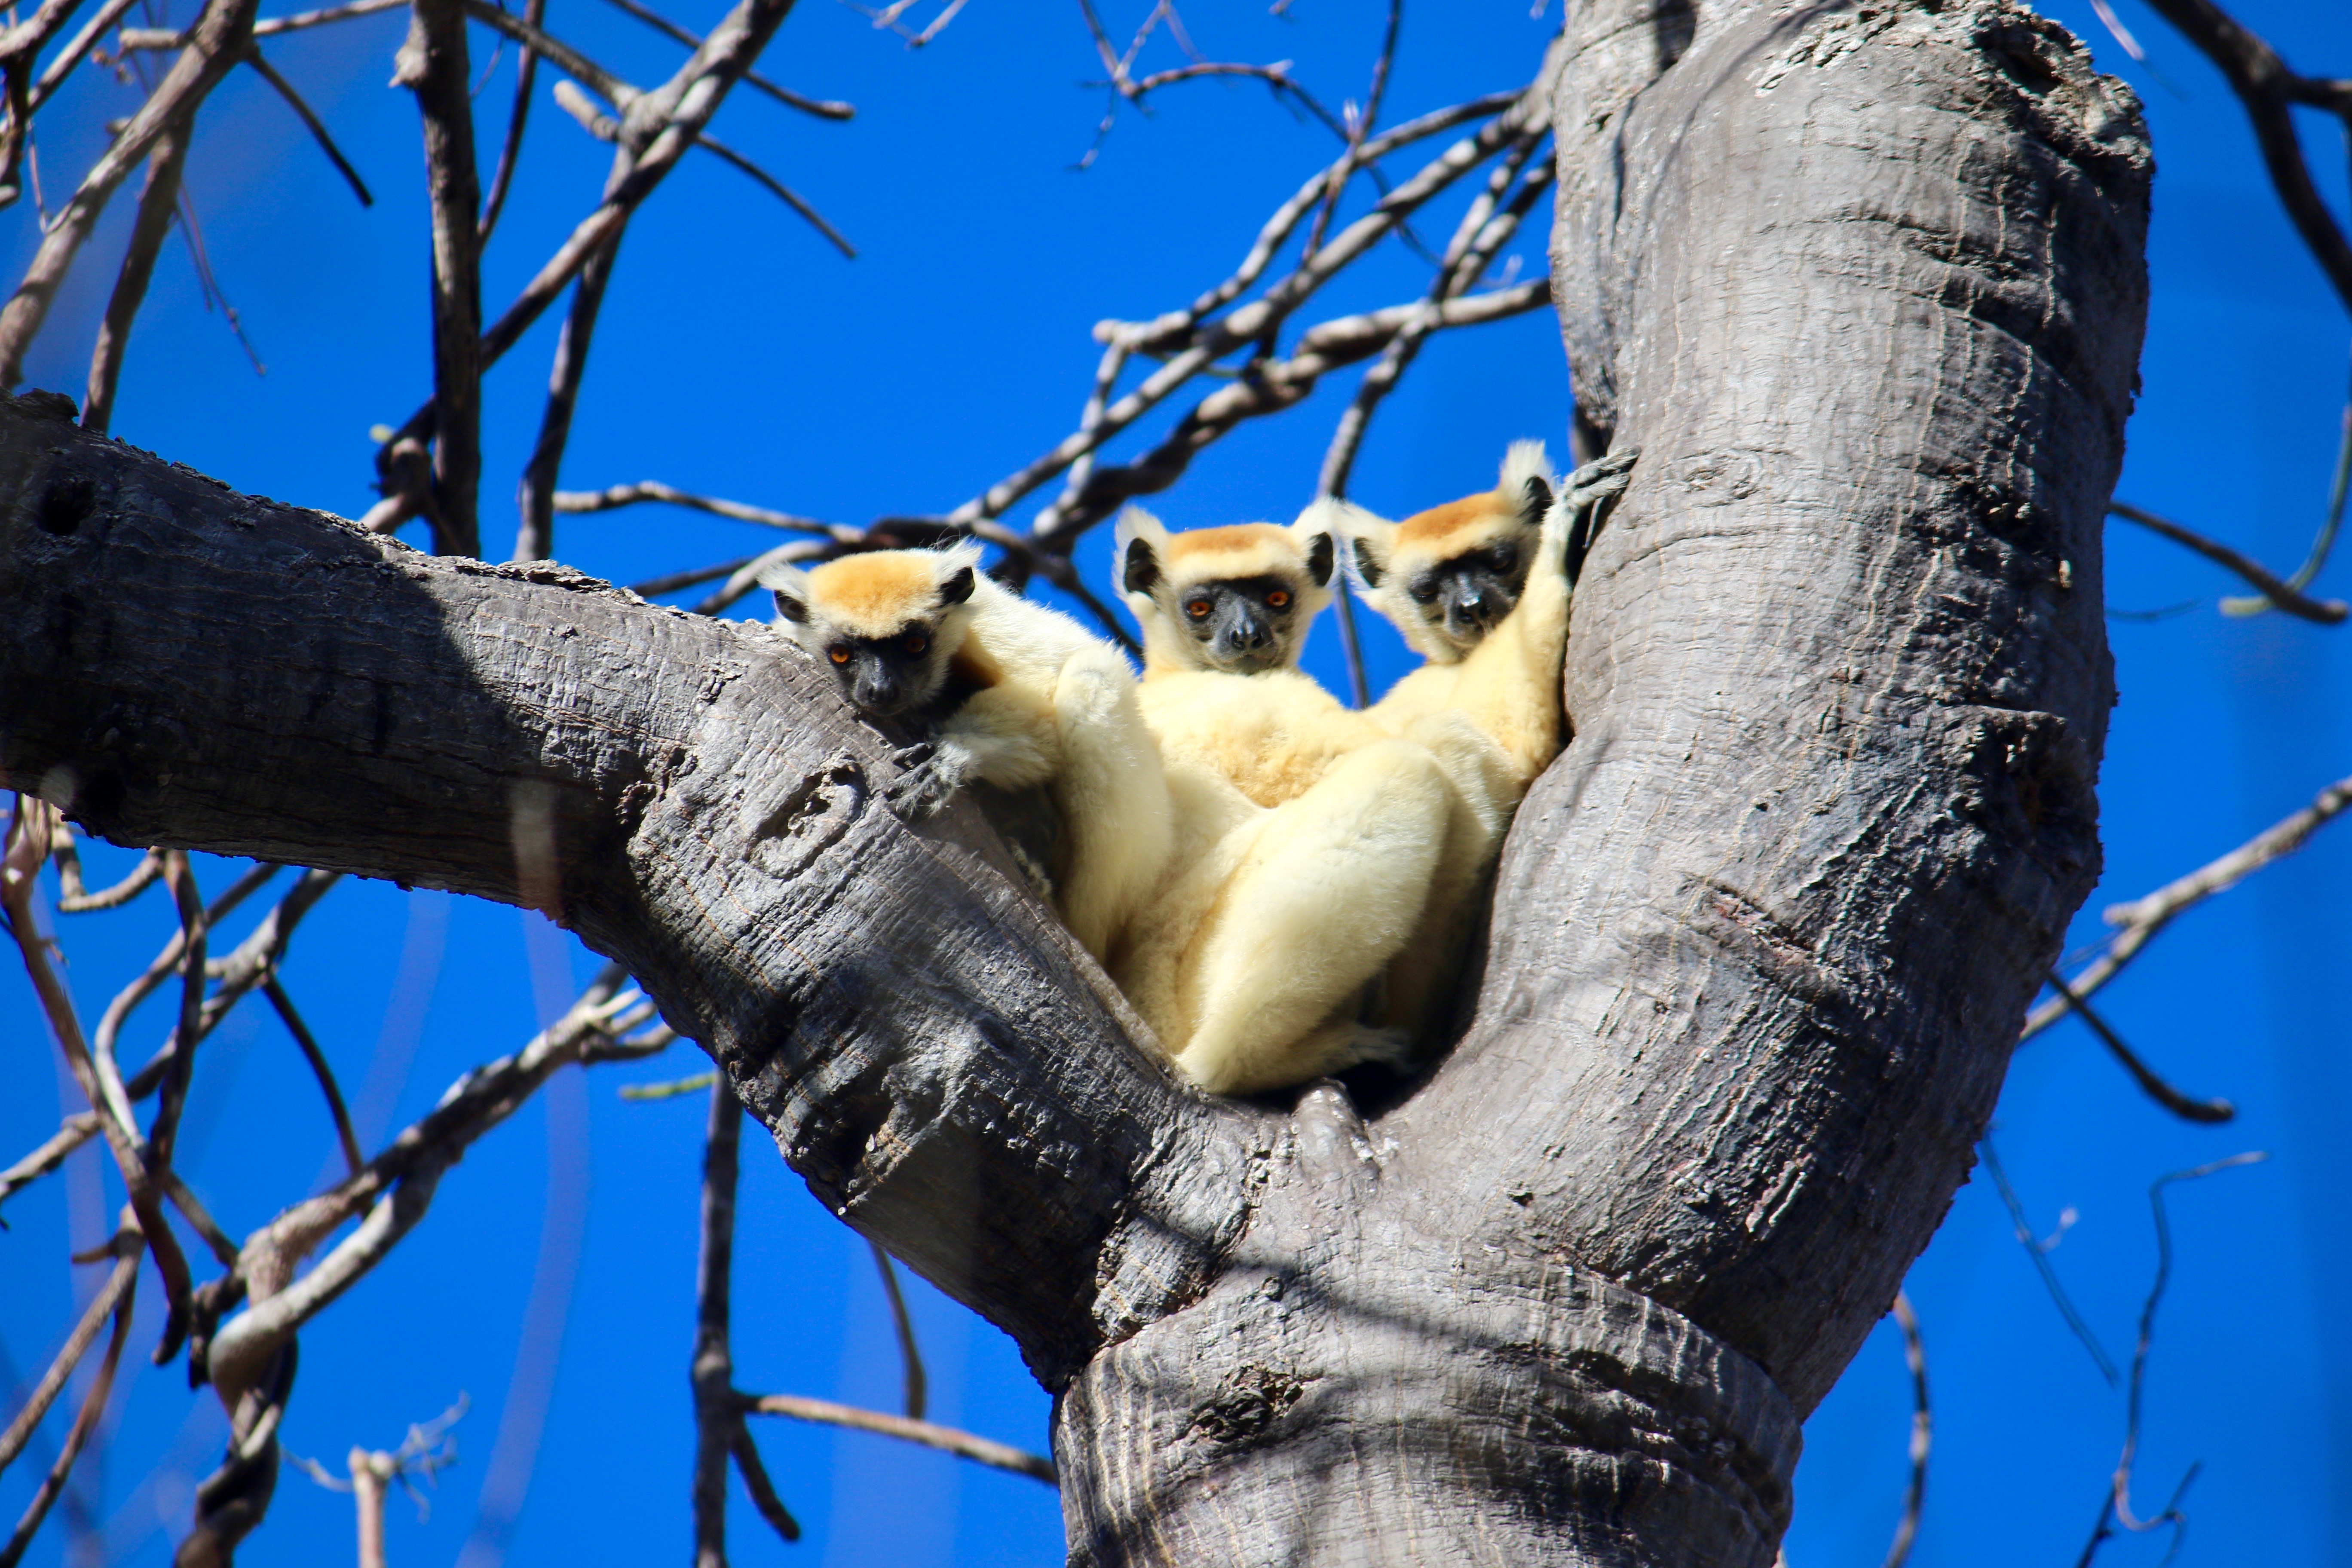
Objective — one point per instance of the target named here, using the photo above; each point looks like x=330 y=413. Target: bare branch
x=2039 y=1252
x=761 y=1490
x=535 y=495
x=509 y=149
x=2324 y=544
x=824 y=108
x=1361 y=123
x=948 y=1439
x=1923 y=1433
x=910 y=1354
x=718 y=1419
x=433 y=62
x=2155 y=1088
x=78 y=48
x=557 y=53
x=320 y=1070
x=2142 y=918
x=2267 y=88
x=267 y=27
x=93 y=1405
x=127 y=1252
x=318 y=127
x=581 y=502
x=221 y=37
x=2327 y=612
x=782 y=193
x=71 y=1134
x=654 y=587
x=73 y=899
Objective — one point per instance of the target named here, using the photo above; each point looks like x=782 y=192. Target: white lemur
x=1494 y=572
x=1242 y=935
x=1011 y=693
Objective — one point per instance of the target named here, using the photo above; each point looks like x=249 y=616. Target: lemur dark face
x=1467 y=595
x=1242 y=624
x=886 y=676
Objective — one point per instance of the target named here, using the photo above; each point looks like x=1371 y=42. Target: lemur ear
x=1140 y=572
x=1319 y=559
x=957 y=588
x=790 y=608
x=791 y=587
x=1364 y=564
x=1536 y=501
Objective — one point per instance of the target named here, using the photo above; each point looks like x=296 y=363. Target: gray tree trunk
x=1866 y=286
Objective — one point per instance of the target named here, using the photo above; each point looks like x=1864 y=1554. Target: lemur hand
x=929 y=774
x=1588 y=495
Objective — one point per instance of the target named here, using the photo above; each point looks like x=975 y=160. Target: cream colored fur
x=1061 y=712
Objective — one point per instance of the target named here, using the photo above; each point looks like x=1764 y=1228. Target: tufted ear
x=1526 y=483
x=1140 y=540
x=790 y=585
x=1320 y=557
x=956 y=586
x=1364 y=538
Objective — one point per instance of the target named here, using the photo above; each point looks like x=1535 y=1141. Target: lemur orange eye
x=914 y=643
x=838 y=655
x=1279 y=599
x=1197 y=608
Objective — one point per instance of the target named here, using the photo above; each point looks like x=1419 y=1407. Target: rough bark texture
x=1865 y=286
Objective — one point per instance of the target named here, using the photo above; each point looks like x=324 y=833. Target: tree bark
x=1866 y=289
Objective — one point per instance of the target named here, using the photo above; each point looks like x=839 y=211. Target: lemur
x=1486 y=707
x=1011 y=693
x=1242 y=935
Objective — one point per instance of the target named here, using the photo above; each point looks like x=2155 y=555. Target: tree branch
x=948 y=1439
x=2277 y=589
x=159 y=202
x=433 y=62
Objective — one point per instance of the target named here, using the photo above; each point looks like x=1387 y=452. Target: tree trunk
x=1865 y=286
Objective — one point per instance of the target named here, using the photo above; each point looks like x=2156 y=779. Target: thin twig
x=535 y=495
x=2155 y=1088
x=518 y=117
x=672 y=1090
x=781 y=192
x=1362 y=124
x=758 y=1487
x=717 y=1418
x=1923 y=1433
x=2142 y=918
x=93 y=1405
x=317 y=127
x=2120 y=1492
x=75 y=899
x=948 y=1439
x=2269 y=92
x=320 y=1070
x=910 y=1354
x=71 y=1134
x=581 y=502
x=268 y=28
x=2040 y=1253
x=127 y=1250
x=2327 y=612
x=824 y=108
x=2339 y=492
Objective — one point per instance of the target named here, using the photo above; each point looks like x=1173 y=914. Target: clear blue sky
x=740 y=356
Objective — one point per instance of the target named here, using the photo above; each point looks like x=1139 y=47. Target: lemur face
x=886 y=676
x=1465 y=597
x=1242 y=626
x=1449 y=575
x=1234 y=600
x=884 y=623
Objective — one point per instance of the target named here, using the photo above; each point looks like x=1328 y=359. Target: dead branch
x=267 y=27
x=824 y=108
x=433 y=63
x=2269 y=92
x=2152 y=1085
x=948 y=1439
x=2039 y=1252
x=159 y=202
x=127 y=1252
x=654 y=587
x=71 y=1134
x=2141 y=919
x=717 y=1418
x=74 y=899
x=1923 y=1433
x=518 y=116
x=93 y=1405
x=310 y=120
x=2275 y=588
x=582 y=502
x=910 y=1354
x=2323 y=544
x=309 y=1045
x=221 y=37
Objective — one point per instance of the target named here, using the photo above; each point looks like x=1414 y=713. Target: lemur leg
x=1329 y=891
x=1483 y=790
x=1113 y=794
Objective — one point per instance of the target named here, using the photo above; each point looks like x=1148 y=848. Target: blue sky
x=740 y=356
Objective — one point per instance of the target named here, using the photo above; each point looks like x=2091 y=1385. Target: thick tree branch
x=433 y=62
